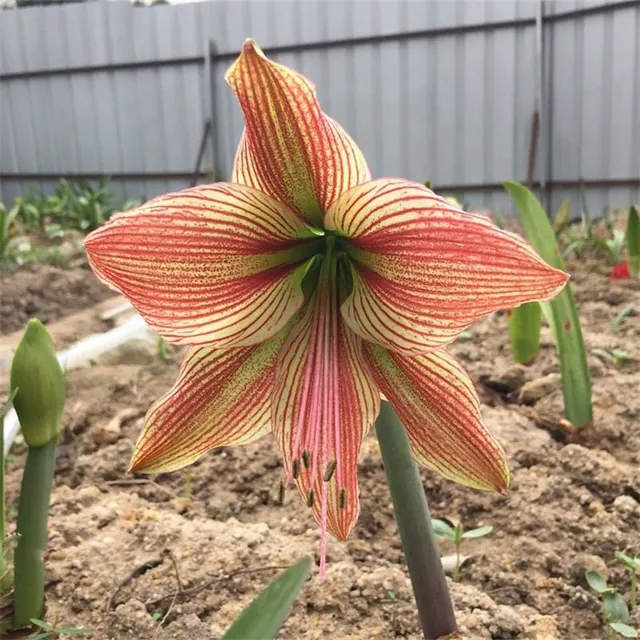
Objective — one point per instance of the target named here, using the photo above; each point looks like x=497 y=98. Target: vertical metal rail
x=541 y=143
x=212 y=56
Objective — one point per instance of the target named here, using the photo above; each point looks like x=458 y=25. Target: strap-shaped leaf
x=263 y=618
x=633 y=241
x=524 y=331
x=576 y=382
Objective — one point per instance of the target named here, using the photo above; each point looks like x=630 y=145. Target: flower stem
x=414 y=523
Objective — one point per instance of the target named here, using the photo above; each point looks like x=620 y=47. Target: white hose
x=83 y=354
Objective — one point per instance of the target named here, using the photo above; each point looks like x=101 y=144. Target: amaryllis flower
x=305 y=290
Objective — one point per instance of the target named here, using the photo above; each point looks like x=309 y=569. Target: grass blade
x=263 y=618
x=633 y=242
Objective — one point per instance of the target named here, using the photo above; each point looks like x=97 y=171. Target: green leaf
x=596 y=581
x=524 y=331
x=263 y=618
x=478 y=533
x=624 y=559
x=574 y=369
x=563 y=216
x=443 y=529
x=615 y=608
x=42 y=624
x=457 y=532
x=624 y=629
x=621 y=316
x=41 y=636
x=633 y=242
x=75 y=631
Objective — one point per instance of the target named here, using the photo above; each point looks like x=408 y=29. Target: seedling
x=614 y=608
x=50 y=631
x=619 y=319
x=615 y=356
x=633 y=564
x=457 y=534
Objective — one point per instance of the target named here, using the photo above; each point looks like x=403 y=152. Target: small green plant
x=616 y=356
x=561 y=312
x=457 y=534
x=619 y=319
x=7 y=221
x=615 y=612
x=633 y=564
x=50 y=631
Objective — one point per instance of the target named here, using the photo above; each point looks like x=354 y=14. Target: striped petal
x=423 y=270
x=219 y=265
x=439 y=408
x=221 y=397
x=324 y=402
x=290 y=149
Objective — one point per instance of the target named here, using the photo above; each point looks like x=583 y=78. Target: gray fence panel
x=454 y=108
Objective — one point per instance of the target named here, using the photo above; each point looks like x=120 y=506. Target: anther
x=281 y=492
x=328 y=474
x=306 y=459
x=296 y=469
x=342 y=500
x=310 y=499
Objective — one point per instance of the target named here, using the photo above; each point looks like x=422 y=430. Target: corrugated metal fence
x=438 y=90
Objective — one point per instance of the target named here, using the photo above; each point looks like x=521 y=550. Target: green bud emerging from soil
x=39 y=386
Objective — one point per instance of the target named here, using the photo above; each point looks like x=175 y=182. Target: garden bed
x=203 y=541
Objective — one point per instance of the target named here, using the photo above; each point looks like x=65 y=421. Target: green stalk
x=633 y=241
x=414 y=523
x=524 y=331
x=633 y=597
x=33 y=514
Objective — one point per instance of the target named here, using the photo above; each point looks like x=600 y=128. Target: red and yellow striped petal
x=221 y=397
x=219 y=265
x=290 y=149
x=423 y=271
x=324 y=402
x=439 y=408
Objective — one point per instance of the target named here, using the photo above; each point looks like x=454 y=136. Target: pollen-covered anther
x=296 y=469
x=281 y=492
x=310 y=499
x=306 y=459
x=342 y=499
x=329 y=471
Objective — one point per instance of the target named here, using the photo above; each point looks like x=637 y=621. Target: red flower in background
x=621 y=271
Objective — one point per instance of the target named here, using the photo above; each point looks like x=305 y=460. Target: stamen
x=296 y=468
x=281 y=492
x=342 y=500
x=310 y=498
x=328 y=474
x=306 y=459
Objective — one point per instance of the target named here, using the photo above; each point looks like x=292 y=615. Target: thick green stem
x=414 y=523
x=33 y=514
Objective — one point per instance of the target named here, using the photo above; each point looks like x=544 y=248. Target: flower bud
x=39 y=386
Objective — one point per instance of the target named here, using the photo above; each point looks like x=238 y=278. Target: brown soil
x=574 y=499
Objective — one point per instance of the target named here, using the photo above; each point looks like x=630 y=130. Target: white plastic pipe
x=82 y=354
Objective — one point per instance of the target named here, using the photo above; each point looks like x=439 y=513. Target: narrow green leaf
x=443 y=529
x=478 y=533
x=74 y=631
x=42 y=624
x=524 y=331
x=574 y=369
x=596 y=581
x=617 y=321
x=624 y=559
x=624 y=629
x=262 y=619
x=563 y=216
x=633 y=242
x=41 y=636
x=615 y=608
